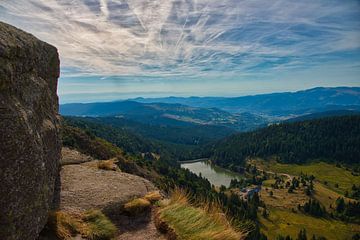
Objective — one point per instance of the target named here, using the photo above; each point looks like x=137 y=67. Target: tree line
x=334 y=139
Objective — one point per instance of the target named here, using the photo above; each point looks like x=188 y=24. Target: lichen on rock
x=29 y=132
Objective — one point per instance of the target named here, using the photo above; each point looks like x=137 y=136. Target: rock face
x=29 y=132
x=72 y=156
x=84 y=186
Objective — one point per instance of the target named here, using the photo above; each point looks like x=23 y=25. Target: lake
x=216 y=175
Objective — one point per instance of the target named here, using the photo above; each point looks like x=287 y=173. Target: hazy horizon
x=111 y=97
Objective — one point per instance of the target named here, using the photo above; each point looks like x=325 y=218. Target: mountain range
x=240 y=113
x=165 y=114
x=285 y=104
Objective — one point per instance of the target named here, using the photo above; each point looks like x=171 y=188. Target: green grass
x=97 y=226
x=92 y=225
x=322 y=172
x=137 y=206
x=194 y=223
x=285 y=222
x=268 y=183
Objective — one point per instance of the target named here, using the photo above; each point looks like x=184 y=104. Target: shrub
x=92 y=224
x=153 y=196
x=191 y=223
x=137 y=206
x=108 y=165
x=97 y=226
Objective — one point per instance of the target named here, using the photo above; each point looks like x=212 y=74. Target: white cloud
x=187 y=37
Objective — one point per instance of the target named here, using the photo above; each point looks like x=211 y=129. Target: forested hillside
x=136 y=138
x=334 y=139
x=166 y=114
x=86 y=137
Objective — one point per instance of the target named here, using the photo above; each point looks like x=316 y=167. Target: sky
x=118 y=49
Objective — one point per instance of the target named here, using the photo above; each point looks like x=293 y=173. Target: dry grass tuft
x=153 y=196
x=63 y=224
x=108 y=165
x=137 y=206
x=92 y=224
x=196 y=223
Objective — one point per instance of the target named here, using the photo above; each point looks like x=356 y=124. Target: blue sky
x=117 y=49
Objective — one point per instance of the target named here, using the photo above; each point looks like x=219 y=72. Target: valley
x=283 y=216
x=289 y=171
x=179 y=120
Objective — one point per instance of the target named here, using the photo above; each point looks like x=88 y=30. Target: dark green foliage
x=283 y=238
x=314 y=208
x=302 y=235
x=87 y=143
x=128 y=141
x=331 y=139
x=347 y=211
x=188 y=134
x=355 y=192
x=356 y=236
x=130 y=138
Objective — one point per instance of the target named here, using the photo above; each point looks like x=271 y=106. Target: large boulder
x=84 y=187
x=29 y=132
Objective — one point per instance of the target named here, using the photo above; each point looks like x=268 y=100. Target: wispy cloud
x=202 y=38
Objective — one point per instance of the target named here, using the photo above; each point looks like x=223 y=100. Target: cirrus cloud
x=176 y=39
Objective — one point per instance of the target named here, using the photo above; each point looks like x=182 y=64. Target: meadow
x=286 y=222
x=335 y=178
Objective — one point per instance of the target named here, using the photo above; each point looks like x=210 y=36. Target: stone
x=29 y=133
x=84 y=187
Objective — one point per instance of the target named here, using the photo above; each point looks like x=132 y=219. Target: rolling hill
x=332 y=139
x=284 y=104
x=165 y=114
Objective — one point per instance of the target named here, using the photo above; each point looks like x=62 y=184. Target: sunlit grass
x=323 y=172
x=92 y=224
x=286 y=222
x=153 y=196
x=137 y=206
x=196 y=223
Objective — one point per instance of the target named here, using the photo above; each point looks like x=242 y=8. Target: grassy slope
x=322 y=171
x=194 y=223
x=287 y=222
x=283 y=221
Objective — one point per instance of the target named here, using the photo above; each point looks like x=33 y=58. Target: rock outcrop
x=72 y=156
x=29 y=132
x=84 y=187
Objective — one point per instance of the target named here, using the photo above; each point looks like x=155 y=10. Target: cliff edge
x=29 y=132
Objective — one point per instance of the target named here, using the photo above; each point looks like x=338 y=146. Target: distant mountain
x=165 y=114
x=318 y=115
x=276 y=104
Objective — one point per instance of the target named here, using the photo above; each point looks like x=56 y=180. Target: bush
x=98 y=226
x=92 y=224
x=153 y=196
x=137 y=206
x=190 y=222
x=108 y=165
